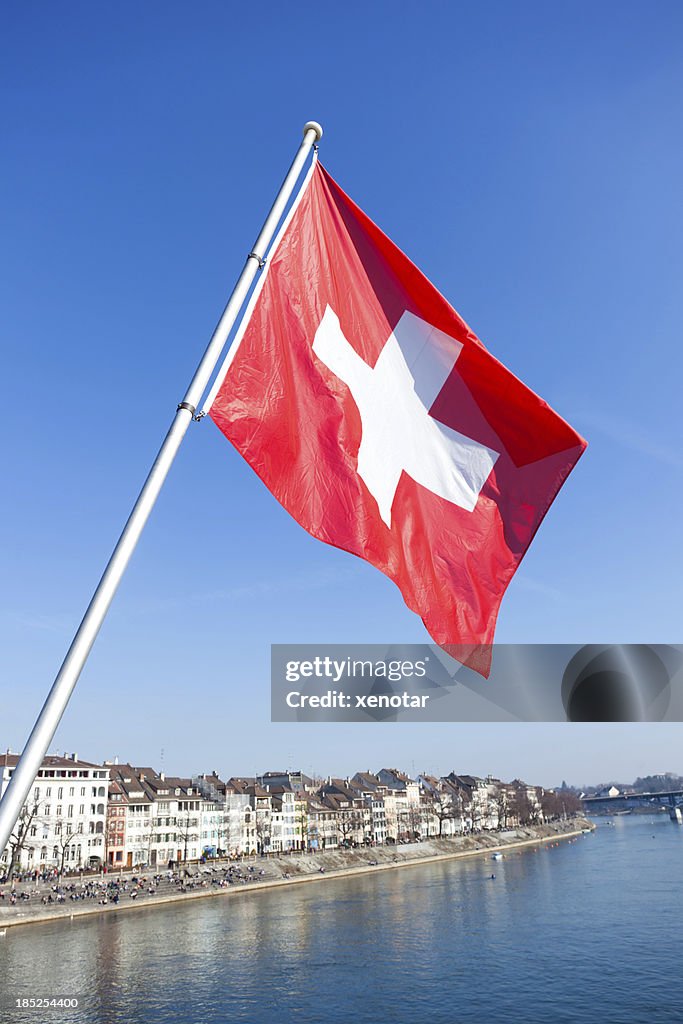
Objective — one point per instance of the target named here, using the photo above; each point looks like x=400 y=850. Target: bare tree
x=222 y=837
x=63 y=841
x=520 y=804
x=186 y=832
x=441 y=805
x=476 y=814
x=559 y=804
x=349 y=821
x=263 y=832
x=415 y=817
x=308 y=827
x=27 y=819
x=501 y=803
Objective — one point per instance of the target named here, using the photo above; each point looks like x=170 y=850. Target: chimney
x=74 y=757
x=162 y=776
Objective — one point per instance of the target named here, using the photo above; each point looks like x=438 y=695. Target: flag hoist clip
x=46 y=724
x=192 y=409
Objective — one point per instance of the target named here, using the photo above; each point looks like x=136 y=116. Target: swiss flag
x=381 y=423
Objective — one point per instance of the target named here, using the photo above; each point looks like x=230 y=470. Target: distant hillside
x=660 y=783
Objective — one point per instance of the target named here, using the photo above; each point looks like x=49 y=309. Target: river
x=582 y=931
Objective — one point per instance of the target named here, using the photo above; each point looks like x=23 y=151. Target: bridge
x=673 y=799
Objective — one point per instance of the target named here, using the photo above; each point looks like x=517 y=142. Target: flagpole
x=72 y=666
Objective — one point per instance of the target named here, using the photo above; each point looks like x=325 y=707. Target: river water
x=584 y=931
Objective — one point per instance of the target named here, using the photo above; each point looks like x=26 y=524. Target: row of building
x=85 y=815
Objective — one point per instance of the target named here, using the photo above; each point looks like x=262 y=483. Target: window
x=59 y=810
x=81 y=809
x=70 y=811
x=71 y=790
x=60 y=793
x=48 y=791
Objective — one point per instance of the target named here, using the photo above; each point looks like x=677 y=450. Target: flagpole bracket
x=261 y=259
x=187 y=405
x=199 y=417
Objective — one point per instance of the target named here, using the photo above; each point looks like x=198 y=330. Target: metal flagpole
x=53 y=709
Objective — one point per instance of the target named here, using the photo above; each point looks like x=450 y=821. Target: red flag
x=382 y=424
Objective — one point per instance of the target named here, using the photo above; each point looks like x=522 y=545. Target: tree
x=440 y=806
x=308 y=827
x=235 y=840
x=415 y=818
x=186 y=832
x=224 y=831
x=560 y=805
x=368 y=826
x=262 y=824
x=519 y=804
x=476 y=813
x=63 y=841
x=349 y=821
x=28 y=818
x=502 y=805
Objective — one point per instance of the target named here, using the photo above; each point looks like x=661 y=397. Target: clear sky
x=527 y=157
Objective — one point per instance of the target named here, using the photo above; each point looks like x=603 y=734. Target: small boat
x=496 y=856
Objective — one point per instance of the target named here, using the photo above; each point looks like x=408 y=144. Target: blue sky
x=527 y=157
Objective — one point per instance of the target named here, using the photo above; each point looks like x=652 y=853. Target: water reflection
x=444 y=941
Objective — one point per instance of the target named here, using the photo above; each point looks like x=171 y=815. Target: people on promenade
x=46 y=891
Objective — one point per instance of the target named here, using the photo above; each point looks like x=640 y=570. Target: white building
x=285 y=820
x=373 y=793
x=62 y=823
x=443 y=807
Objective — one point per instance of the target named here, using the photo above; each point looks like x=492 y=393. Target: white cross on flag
x=382 y=424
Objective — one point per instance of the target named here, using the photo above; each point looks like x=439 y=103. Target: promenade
x=31 y=903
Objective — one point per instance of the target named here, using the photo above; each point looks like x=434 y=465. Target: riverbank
x=267 y=873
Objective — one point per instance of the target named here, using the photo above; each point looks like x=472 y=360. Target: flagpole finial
x=314 y=126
